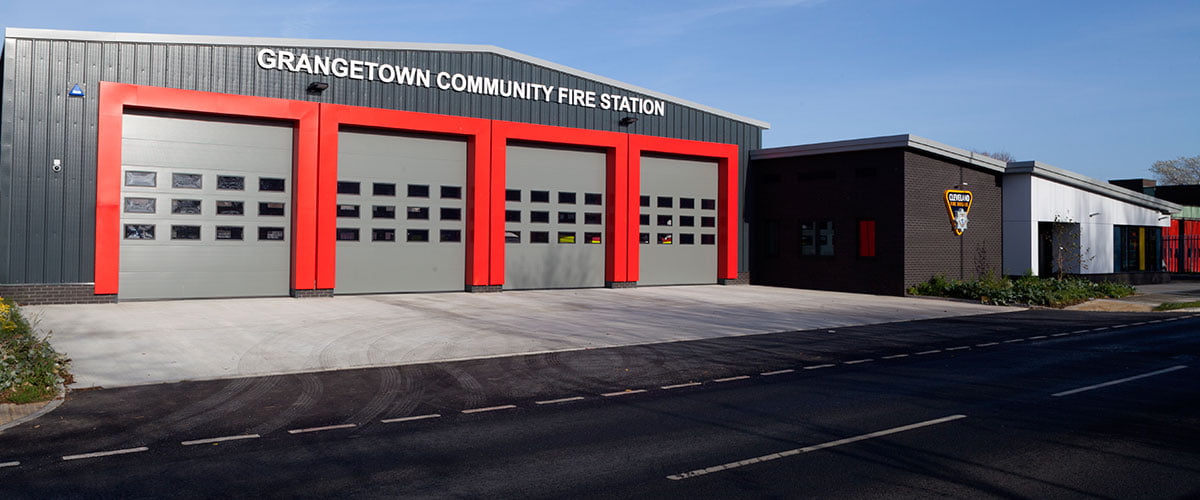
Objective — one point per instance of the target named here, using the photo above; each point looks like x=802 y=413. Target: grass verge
x=1171 y=306
x=30 y=369
x=1031 y=290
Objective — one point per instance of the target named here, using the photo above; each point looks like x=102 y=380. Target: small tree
x=1182 y=170
x=1003 y=156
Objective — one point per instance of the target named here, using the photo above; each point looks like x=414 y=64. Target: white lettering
x=356 y=69
x=303 y=64
x=563 y=93
x=285 y=60
x=371 y=70
x=443 y=80
x=320 y=65
x=458 y=82
x=589 y=99
x=387 y=73
x=266 y=59
x=605 y=101
x=339 y=67
x=521 y=90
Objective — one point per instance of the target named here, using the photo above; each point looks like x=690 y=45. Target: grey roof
x=891 y=141
x=1075 y=179
x=350 y=44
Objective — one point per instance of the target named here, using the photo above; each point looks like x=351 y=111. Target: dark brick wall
x=930 y=246
x=844 y=188
x=55 y=293
x=304 y=294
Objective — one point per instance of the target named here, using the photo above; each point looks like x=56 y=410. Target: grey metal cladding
x=47 y=218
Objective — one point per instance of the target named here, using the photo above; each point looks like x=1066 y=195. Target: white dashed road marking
x=1039 y=337
x=561 y=400
x=935 y=351
x=99 y=454
x=815 y=367
x=1063 y=334
x=959 y=348
x=623 y=393
x=895 y=356
x=490 y=408
x=1119 y=381
x=857 y=361
x=731 y=379
x=987 y=344
x=219 y=439
x=9 y=464
x=677 y=386
x=822 y=446
x=322 y=428
x=410 y=419
x=1013 y=341
x=777 y=372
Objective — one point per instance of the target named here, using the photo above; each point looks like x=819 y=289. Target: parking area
x=134 y=343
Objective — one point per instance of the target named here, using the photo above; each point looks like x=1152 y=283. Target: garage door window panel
x=136 y=178
x=140 y=205
x=231 y=183
x=187 y=181
x=185 y=207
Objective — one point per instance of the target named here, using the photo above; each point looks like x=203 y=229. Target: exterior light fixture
x=628 y=120
x=317 y=87
x=1093 y=214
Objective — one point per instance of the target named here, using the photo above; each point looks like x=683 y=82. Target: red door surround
x=315 y=192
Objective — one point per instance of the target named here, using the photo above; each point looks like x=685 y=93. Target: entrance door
x=678 y=221
x=206 y=207
x=554 y=213
x=400 y=213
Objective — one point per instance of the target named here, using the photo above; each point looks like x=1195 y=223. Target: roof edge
x=1075 y=179
x=883 y=142
x=101 y=36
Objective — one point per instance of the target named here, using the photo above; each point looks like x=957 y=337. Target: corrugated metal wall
x=46 y=218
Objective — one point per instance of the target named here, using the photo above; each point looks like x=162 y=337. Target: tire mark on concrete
x=310 y=393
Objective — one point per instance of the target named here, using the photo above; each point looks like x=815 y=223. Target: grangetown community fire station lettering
x=354 y=69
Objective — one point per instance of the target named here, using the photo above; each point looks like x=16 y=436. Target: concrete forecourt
x=135 y=343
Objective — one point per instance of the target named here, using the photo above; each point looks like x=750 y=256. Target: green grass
x=30 y=369
x=1031 y=290
x=1171 y=306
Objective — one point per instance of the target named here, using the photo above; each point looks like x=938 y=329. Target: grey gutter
x=97 y=36
x=1075 y=179
x=892 y=141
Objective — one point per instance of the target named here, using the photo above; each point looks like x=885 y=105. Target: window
x=139 y=231
x=816 y=238
x=512 y=236
x=450 y=235
x=344 y=187
x=687 y=221
x=382 y=212
x=567 y=238
x=539 y=216
x=418 y=213
x=644 y=238
x=450 y=213
x=708 y=222
x=708 y=239
x=665 y=202
x=665 y=238
x=231 y=207
x=386 y=234
x=185 y=232
x=512 y=195
x=383 y=189
x=666 y=220
x=418 y=191
x=687 y=239
x=687 y=203
x=566 y=217
x=591 y=238
x=539 y=237
x=644 y=201
x=231 y=183
x=566 y=198
x=270 y=208
x=276 y=184
x=139 y=205
x=347 y=234
x=135 y=178
x=592 y=218
x=1136 y=248
x=350 y=211
x=270 y=234
x=644 y=219
x=452 y=192
x=866 y=238
x=186 y=181
x=418 y=235
x=185 y=207
x=230 y=232
x=539 y=196
x=592 y=199
x=708 y=204
x=512 y=216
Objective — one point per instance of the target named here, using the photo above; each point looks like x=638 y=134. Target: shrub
x=30 y=369
x=1031 y=290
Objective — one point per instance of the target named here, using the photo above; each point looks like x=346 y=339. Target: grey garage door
x=206 y=208
x=400 y=213
x=554 y=213
x=678 y=222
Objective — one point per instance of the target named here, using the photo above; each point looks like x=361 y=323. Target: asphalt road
x=1035 y=404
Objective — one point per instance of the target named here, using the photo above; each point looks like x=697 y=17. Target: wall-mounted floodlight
x=317 y=87
x=1093 y=214
x=628 y=120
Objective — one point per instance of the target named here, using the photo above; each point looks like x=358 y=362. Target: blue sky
x=1104 y=88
